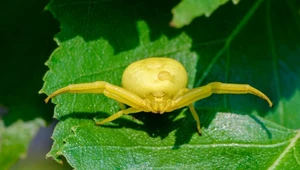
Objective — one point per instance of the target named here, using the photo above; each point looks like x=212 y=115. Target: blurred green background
x=27 y=32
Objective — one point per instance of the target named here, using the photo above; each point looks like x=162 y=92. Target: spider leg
x=196 y=117
x=118 y=114
x=122 y=106
x=118 y=93
x=181 y=92
x=199 y=93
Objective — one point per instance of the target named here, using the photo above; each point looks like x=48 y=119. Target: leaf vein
x=295 y=156
x=242 y=145
x=286 y=150
x=229 y=40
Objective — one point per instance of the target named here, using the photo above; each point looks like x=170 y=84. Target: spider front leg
x=193 y=95
x=109 y=90
x=199 y=93
x=117 y=115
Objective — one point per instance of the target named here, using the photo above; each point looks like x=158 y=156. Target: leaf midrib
x=219 y=145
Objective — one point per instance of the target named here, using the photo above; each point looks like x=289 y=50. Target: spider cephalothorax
x=156 y=85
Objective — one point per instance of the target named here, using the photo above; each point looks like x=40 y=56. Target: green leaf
x=97 y=62
x=253 y=44
x=15 y=139
x=187 y=10
x=224 y=144
x=262 y=50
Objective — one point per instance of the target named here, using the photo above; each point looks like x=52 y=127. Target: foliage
x=253 y=42
x=187 y=10
x=27 y=42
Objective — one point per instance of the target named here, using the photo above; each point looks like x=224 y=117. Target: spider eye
x=165 y=75
x=158 y=94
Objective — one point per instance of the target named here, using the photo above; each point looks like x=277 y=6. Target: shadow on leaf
x=156 y=125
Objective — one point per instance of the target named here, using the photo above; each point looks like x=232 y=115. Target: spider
x=156 y=85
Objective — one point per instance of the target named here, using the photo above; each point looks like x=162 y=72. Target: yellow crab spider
x=156 y=85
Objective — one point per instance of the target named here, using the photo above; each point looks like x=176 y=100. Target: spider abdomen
x=155 y=76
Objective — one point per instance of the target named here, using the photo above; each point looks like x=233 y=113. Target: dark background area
x=27 y=32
